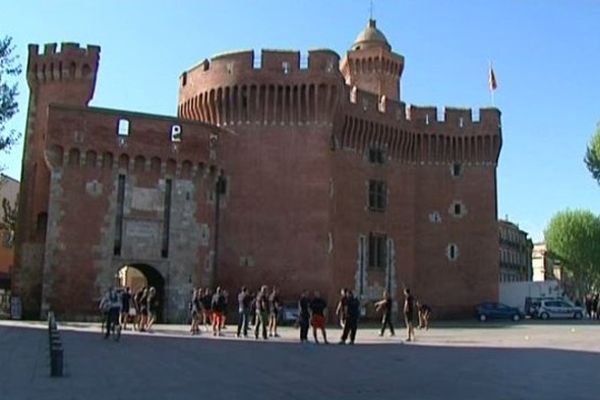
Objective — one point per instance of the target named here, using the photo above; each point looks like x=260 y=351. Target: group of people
x=592 y=305
x=120 y=306
x=261 y=309
x=348 y=311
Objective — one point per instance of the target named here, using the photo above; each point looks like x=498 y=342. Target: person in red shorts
x=317 y=320
x=218 y=309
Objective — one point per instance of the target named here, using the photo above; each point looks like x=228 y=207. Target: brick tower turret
x=65 y=77
x=370 y=64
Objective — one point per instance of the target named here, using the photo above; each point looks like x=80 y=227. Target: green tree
x=592 y=155
x=9 y=70
x=573 y=237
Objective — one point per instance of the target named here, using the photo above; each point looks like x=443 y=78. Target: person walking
x=152 y=307
x=304 y=316
x=274 y=307
x=206 y=301
x=340 y=309
x=317 y=319
x=409 y=310
x=125 y=306
x=262 y=308
x=218 y=308
x=385 y=306
x=588 y=305
x=244 y=300
x=142 y=305
x=196 y=311
x=595 y=301
x=352 y=315
x=424 y=314
x=225 y=295
x=111 y=304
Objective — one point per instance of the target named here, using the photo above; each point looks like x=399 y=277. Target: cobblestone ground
x=460 y=361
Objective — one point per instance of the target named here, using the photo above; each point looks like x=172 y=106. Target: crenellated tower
x=66 y=76
x=370 y=64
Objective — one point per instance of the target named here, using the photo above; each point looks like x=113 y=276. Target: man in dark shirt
x=352 y=314
x=385 y=306
x=409 y=309
x=244 y=311
x=303 y=316
x=262 y=312
x=126 y=302
x=317 y=310
x=206 y=301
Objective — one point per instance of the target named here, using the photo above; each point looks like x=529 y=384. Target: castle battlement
x=447 y=120
x=231 y=89
x=69 y=62
x=269 y=60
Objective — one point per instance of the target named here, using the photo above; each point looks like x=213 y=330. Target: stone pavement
x=458 y=361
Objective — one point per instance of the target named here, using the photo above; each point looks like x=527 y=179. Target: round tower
x=370 y=64
x=65 y=77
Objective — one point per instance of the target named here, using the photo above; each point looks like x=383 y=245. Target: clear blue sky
x=546 y=56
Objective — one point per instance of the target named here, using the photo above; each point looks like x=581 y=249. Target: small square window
x=456 y=169
x=376 y=155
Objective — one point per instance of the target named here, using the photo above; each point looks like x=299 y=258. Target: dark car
x=490 y=310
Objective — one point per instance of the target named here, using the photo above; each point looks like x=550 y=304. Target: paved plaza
x=530 y=360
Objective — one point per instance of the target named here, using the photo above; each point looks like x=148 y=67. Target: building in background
x=545 y=267
x=515 y=253
x=279 y=169
x=9 y=192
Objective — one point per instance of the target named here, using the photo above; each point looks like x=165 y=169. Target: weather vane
x=371 y=10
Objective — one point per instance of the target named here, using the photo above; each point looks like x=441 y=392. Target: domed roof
x=370 y=37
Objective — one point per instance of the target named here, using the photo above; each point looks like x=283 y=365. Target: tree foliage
x=592 y=155
x=8 y=223
x=573 y=237
x=9 y=70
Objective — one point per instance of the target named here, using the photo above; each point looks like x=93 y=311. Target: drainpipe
x=218 y=188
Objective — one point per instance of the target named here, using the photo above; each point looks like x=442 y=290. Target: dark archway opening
x=137 y=276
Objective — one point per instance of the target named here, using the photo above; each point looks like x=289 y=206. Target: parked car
x=532 y=305
x=289 y=314
x=490 y=310
x=559 y=309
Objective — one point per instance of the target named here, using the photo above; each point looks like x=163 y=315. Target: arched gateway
x=136 y=276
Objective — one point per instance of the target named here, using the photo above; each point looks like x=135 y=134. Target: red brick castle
x=297 y=174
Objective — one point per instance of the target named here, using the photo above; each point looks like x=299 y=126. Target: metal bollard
x=56 y=360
